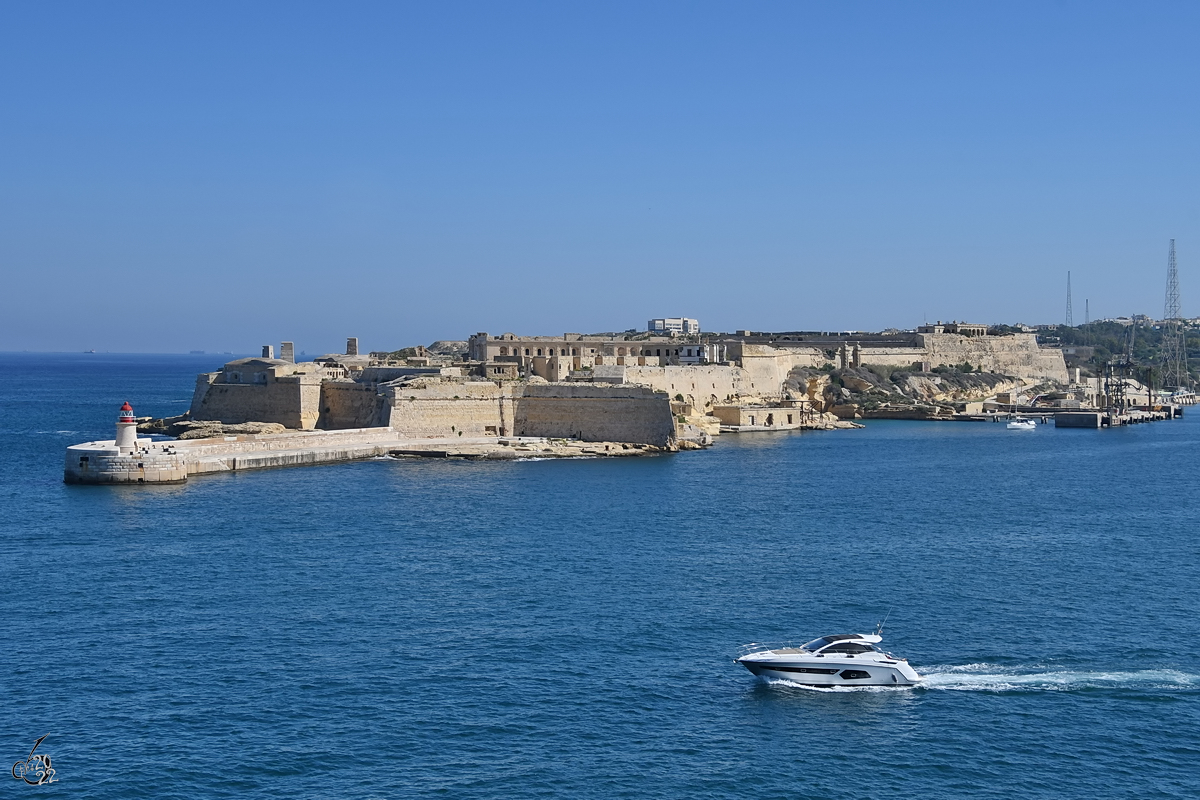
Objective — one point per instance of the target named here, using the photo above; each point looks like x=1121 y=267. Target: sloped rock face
x=875 y=388
x=956 y=387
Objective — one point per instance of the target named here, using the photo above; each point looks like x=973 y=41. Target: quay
x=1081 y=418
x=1112 y=419
x=130 y=460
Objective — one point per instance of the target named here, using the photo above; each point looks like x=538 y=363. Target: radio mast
x=1174 y=347
x=1070 y=321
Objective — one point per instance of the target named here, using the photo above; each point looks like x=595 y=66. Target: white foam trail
x=995 y=678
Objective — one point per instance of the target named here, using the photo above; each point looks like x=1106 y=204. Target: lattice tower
x=1070 y=320
x=1174 y=348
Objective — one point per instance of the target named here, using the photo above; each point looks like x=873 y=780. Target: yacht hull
x=832 y=674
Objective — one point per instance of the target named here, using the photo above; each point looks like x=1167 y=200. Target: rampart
x=585 y=411
x=1017 y=355
x=702 y=386
x=293 y=401
x=595 y=413
x=448 y=408
x=346 y=404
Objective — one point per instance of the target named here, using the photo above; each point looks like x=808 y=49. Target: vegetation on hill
x=1108 y=339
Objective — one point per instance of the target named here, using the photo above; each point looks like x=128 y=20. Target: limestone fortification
x=649 y=390
x=496 y=392
x=611 y=388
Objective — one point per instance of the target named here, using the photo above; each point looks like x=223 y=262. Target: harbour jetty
x=130 y=460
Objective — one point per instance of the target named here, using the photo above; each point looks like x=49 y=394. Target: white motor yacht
x=846 y=659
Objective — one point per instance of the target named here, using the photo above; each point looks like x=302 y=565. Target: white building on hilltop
x=673 y=325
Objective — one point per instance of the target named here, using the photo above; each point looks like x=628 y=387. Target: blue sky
x=221 y=175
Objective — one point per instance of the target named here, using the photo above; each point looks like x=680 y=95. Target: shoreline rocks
x=183 y=427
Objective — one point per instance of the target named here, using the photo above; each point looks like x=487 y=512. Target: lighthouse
x=126 y=429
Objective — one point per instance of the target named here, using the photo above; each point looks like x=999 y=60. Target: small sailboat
x=1022 y=424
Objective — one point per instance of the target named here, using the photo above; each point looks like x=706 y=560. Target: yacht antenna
x=879 y=627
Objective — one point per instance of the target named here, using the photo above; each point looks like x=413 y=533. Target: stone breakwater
x=174 y=461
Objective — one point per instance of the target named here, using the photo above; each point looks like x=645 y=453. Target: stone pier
x=174 y=461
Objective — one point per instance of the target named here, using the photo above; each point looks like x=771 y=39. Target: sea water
x=440 y=628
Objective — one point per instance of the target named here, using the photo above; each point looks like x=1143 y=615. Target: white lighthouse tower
x=126 y=429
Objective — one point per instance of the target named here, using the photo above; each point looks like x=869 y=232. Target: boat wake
x=995 y=678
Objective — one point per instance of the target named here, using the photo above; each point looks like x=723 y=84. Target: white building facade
x=672 y=325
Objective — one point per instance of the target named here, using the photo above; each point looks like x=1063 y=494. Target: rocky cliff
x=865 y=390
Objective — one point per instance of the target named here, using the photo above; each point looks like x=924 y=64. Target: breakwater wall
x=170 y=461
x=150 y=461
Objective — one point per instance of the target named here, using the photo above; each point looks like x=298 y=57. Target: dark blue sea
x=418 y=629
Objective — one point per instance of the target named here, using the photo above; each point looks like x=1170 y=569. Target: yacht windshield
x=816 y=644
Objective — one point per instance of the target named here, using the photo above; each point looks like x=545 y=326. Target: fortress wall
x=766 y=367
x=203 y=381
x=594 y=413
x=350 y=405
x=289 y=401
x=701 y=385
x=893 y=356
x=1017 y=355
x=446 y=409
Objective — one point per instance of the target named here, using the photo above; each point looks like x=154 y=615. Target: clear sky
x=216 y=176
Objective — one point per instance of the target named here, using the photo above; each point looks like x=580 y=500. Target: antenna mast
x=1174 y=352
x=1070 y=321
